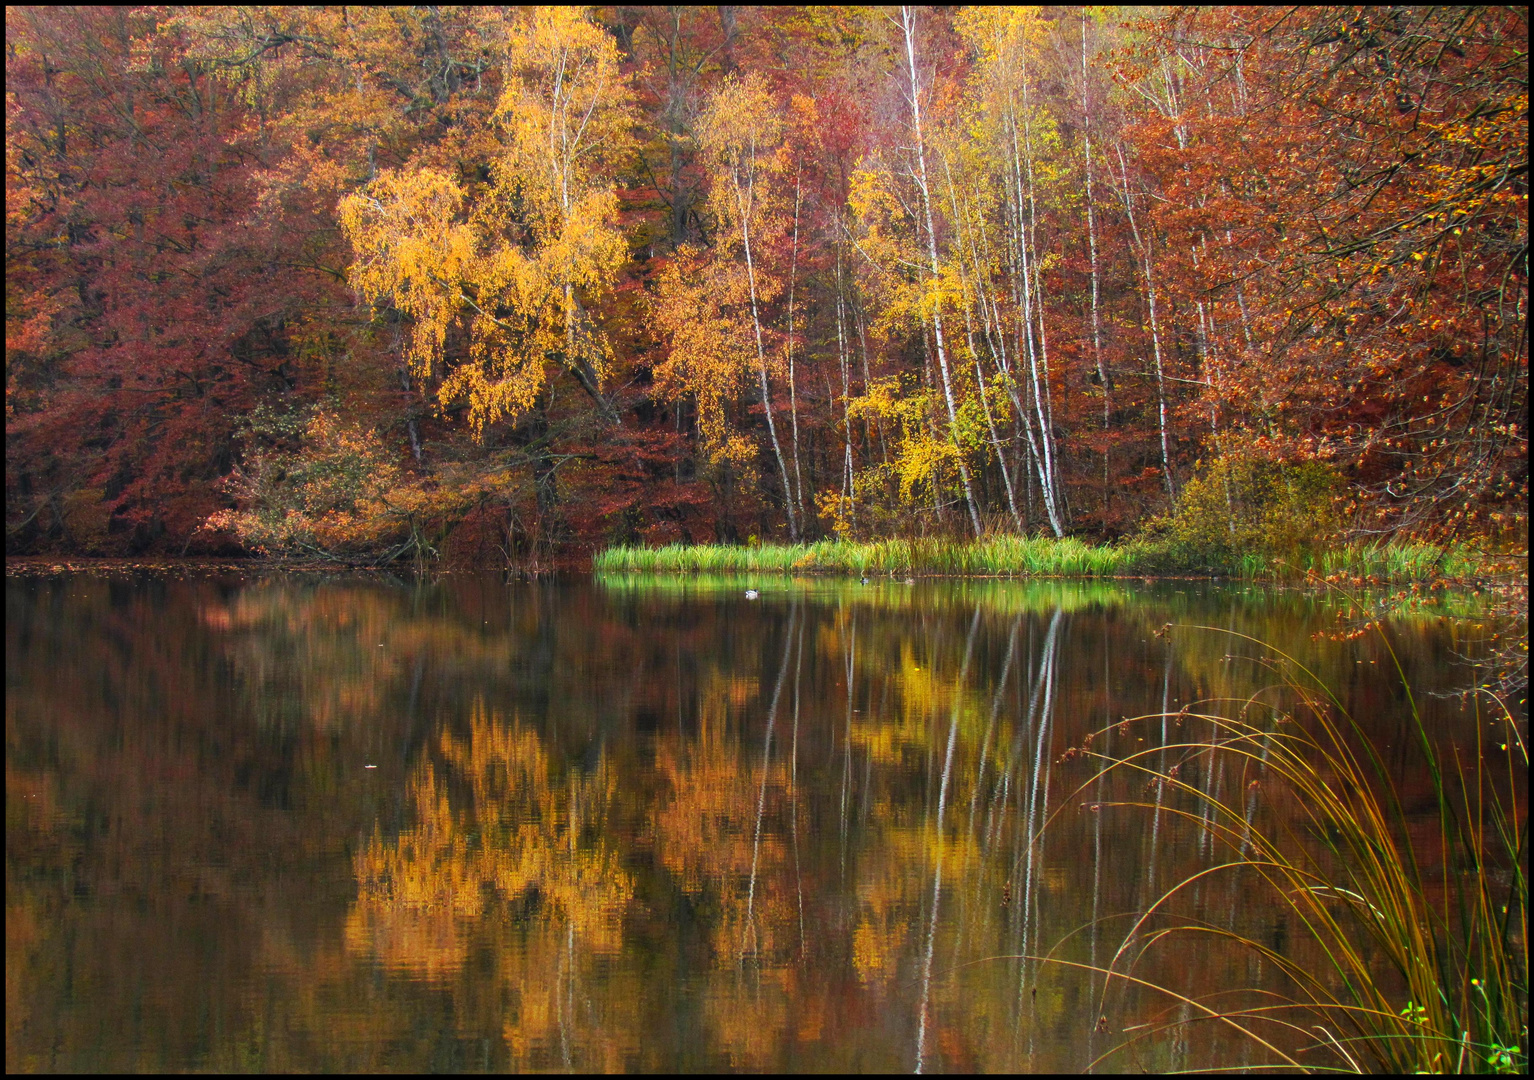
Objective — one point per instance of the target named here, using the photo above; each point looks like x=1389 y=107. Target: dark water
x=298 y=823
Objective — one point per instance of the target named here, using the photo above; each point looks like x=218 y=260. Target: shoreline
x=1456 y=568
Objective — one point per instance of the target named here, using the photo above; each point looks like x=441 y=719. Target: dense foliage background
x=490 y=284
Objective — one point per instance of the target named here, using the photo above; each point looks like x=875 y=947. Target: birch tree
x=919 y=174
x=523 y=260
x=1143 y=251
x=740 y=132
x=1097 y=330
x=1004 y=127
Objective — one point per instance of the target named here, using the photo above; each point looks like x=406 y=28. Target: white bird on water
x=752 y=594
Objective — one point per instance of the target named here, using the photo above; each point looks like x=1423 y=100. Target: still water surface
x=291 y=822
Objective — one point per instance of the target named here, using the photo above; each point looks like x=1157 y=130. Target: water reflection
x=637 y=824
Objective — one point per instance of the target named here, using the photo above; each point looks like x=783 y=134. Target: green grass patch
x=998 y=556
x=1037 y=556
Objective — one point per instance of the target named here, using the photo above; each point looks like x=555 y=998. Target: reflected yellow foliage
x=877 y=943
x=522 y=838
x=924 y=692
x=748 y=1015
x=895 y=885
x=564 y=1014
x=720 y=835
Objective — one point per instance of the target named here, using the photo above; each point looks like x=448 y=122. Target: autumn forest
x=498 y=285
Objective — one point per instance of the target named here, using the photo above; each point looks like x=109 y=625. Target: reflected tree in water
x=499 y=837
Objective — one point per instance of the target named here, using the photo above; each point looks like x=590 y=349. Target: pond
x=353 y=822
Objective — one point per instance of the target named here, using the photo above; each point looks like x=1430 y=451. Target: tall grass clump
x=1165 y=549
x=1395 y=561
x=1415 y=953
x=994 y=556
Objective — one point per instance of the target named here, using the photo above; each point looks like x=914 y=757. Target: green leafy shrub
x=1244 y=515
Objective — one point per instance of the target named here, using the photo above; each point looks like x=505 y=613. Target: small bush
x=317 y=485
x=1242 y=515
x=87 y=519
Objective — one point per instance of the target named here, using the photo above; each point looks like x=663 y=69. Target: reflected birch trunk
x=1155 y=838
x=793 y=788
x=761 y=797
x=1097 y=852
x=937 y=873
x=985 y=743
x=852 y=651
x=1041 y=712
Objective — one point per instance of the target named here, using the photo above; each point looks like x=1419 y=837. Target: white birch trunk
x=793 y=394
x=969 y=334
x=841 y=355
x=1143 y=246
x=744 y=201
x=1056 y=502
x=908 y=26
x=1023 y=274
x=1097 y=334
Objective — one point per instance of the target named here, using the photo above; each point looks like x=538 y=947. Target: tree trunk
x=841 y=354
x=969 y=333
x=908 y=25
x=793 y=393
x=761 y=361
x=1033 y=279
x=1022 y=287
x=1097 y=334
x=1143 y=247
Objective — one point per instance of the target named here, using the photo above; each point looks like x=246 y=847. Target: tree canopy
x=492 y=285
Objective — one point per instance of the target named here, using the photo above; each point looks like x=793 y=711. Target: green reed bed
x=1015 y=556
x=1398 y=561
x=1415 y=952
x=993 y=556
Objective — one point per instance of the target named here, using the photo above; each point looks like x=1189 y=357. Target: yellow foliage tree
x=741 y=133
x=525 y=256
x=699 y=307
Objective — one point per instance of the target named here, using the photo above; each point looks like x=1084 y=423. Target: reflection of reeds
x=1012 y=556
x=1415 y=955
x=997 y=597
